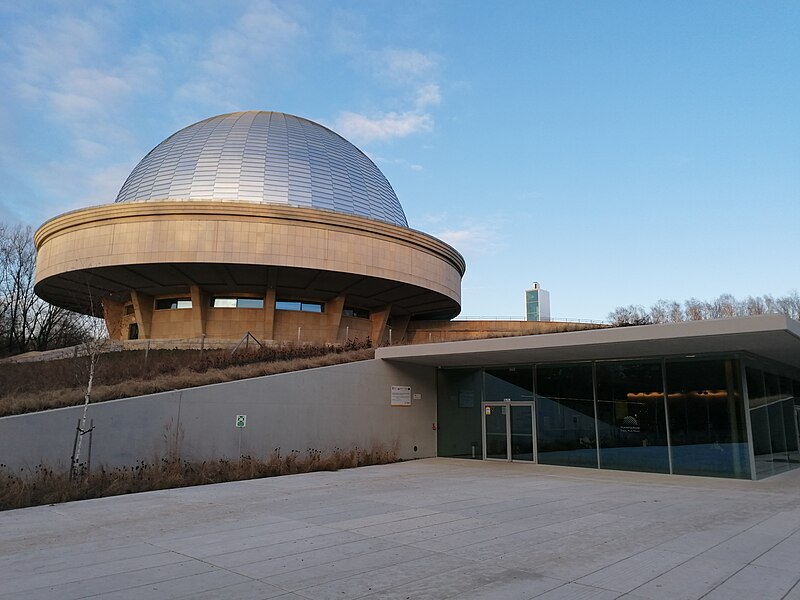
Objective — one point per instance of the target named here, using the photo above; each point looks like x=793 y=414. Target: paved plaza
x=432 y=529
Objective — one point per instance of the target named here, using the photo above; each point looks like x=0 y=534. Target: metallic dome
x=264 y=157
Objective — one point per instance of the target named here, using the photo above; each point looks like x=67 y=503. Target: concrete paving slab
x=238 y=541
x=410 y=561
x=794 y=593
x=301 y=549
x=375 y=580
x=576 y=591
x=689 y=580
x=99 y=586
x=434 y=528
x=755 y=582
x=632 y=572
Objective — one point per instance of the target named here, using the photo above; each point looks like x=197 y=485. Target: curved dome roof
x=265 y=157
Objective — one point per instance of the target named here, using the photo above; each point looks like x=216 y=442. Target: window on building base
x=316 y=307
x=222 y=302
x=173 y=303
x=360 y=313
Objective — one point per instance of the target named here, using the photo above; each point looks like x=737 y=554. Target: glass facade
x=773 y=409
x=707 y=426
x=459 y=393
x=631 y=416
x=684 y=415
x=532 y=305
x=537 y=304
x=565 y=415
x=509 y=385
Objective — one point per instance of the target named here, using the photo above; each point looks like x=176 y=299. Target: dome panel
x=264 y=157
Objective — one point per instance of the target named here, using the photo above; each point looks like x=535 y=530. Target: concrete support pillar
x=379 y=319
x=399 y=327
x=113 y=315
x=333 y=318
x=199 y=311
x=143 y=309
x=269 y=314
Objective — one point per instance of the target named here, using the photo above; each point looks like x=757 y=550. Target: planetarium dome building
x=257 y=222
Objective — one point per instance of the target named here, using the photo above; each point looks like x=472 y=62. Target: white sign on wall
x=241 y=420
x=401 y=395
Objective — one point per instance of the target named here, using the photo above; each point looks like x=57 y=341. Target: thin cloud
x=473 y=239
x=89 y=149
x=405 y=65
x=397 y=161
x=80 y=91
x=428 y=95
x=410 y=71
x=232 y=57
x=365 y=129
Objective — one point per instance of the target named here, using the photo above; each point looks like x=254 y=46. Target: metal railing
x=521 y=318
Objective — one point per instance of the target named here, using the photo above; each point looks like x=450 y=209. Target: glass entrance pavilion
x=689 y=416
x=663 y=398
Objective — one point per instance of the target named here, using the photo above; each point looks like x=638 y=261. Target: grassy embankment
x=28 y=387
x=34 y=386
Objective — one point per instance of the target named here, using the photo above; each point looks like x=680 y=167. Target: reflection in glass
x=630 y=412
x=458 y=413
x=496 y=439
x=774 y=421
x=790 y=421
x=759 y=421
x=229 y=302
x=522 y=432
x=565 y=419
x=777 y=430
x=173 y=303
x=249 y=303
x=706 y=418
x=223 y=303
x=316 y=307
x=510 y=384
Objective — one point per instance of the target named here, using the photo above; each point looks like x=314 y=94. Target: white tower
x=537 y=304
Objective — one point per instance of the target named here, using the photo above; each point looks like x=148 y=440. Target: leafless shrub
x=44 y=485
x=723 y=307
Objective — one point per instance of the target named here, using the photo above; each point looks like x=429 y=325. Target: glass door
x=495 y=431
x=508 y=431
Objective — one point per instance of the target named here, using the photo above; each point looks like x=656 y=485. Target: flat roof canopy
x=775 y=337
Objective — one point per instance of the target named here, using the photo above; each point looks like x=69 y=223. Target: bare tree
x=789 y=305
x=660 y=312
x=27 y=322
x=17 y=260
x=675 y=312
x=695 y=310
x=90 y=352
x=722 y=307
x=629 y=315
x=755 y=306
x=725 y=306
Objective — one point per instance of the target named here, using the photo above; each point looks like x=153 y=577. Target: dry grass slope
x=30 y=387
x=45 y=486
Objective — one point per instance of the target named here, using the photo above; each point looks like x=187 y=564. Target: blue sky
x=616 y=152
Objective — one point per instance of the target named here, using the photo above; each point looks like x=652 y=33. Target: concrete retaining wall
x=342 y=405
